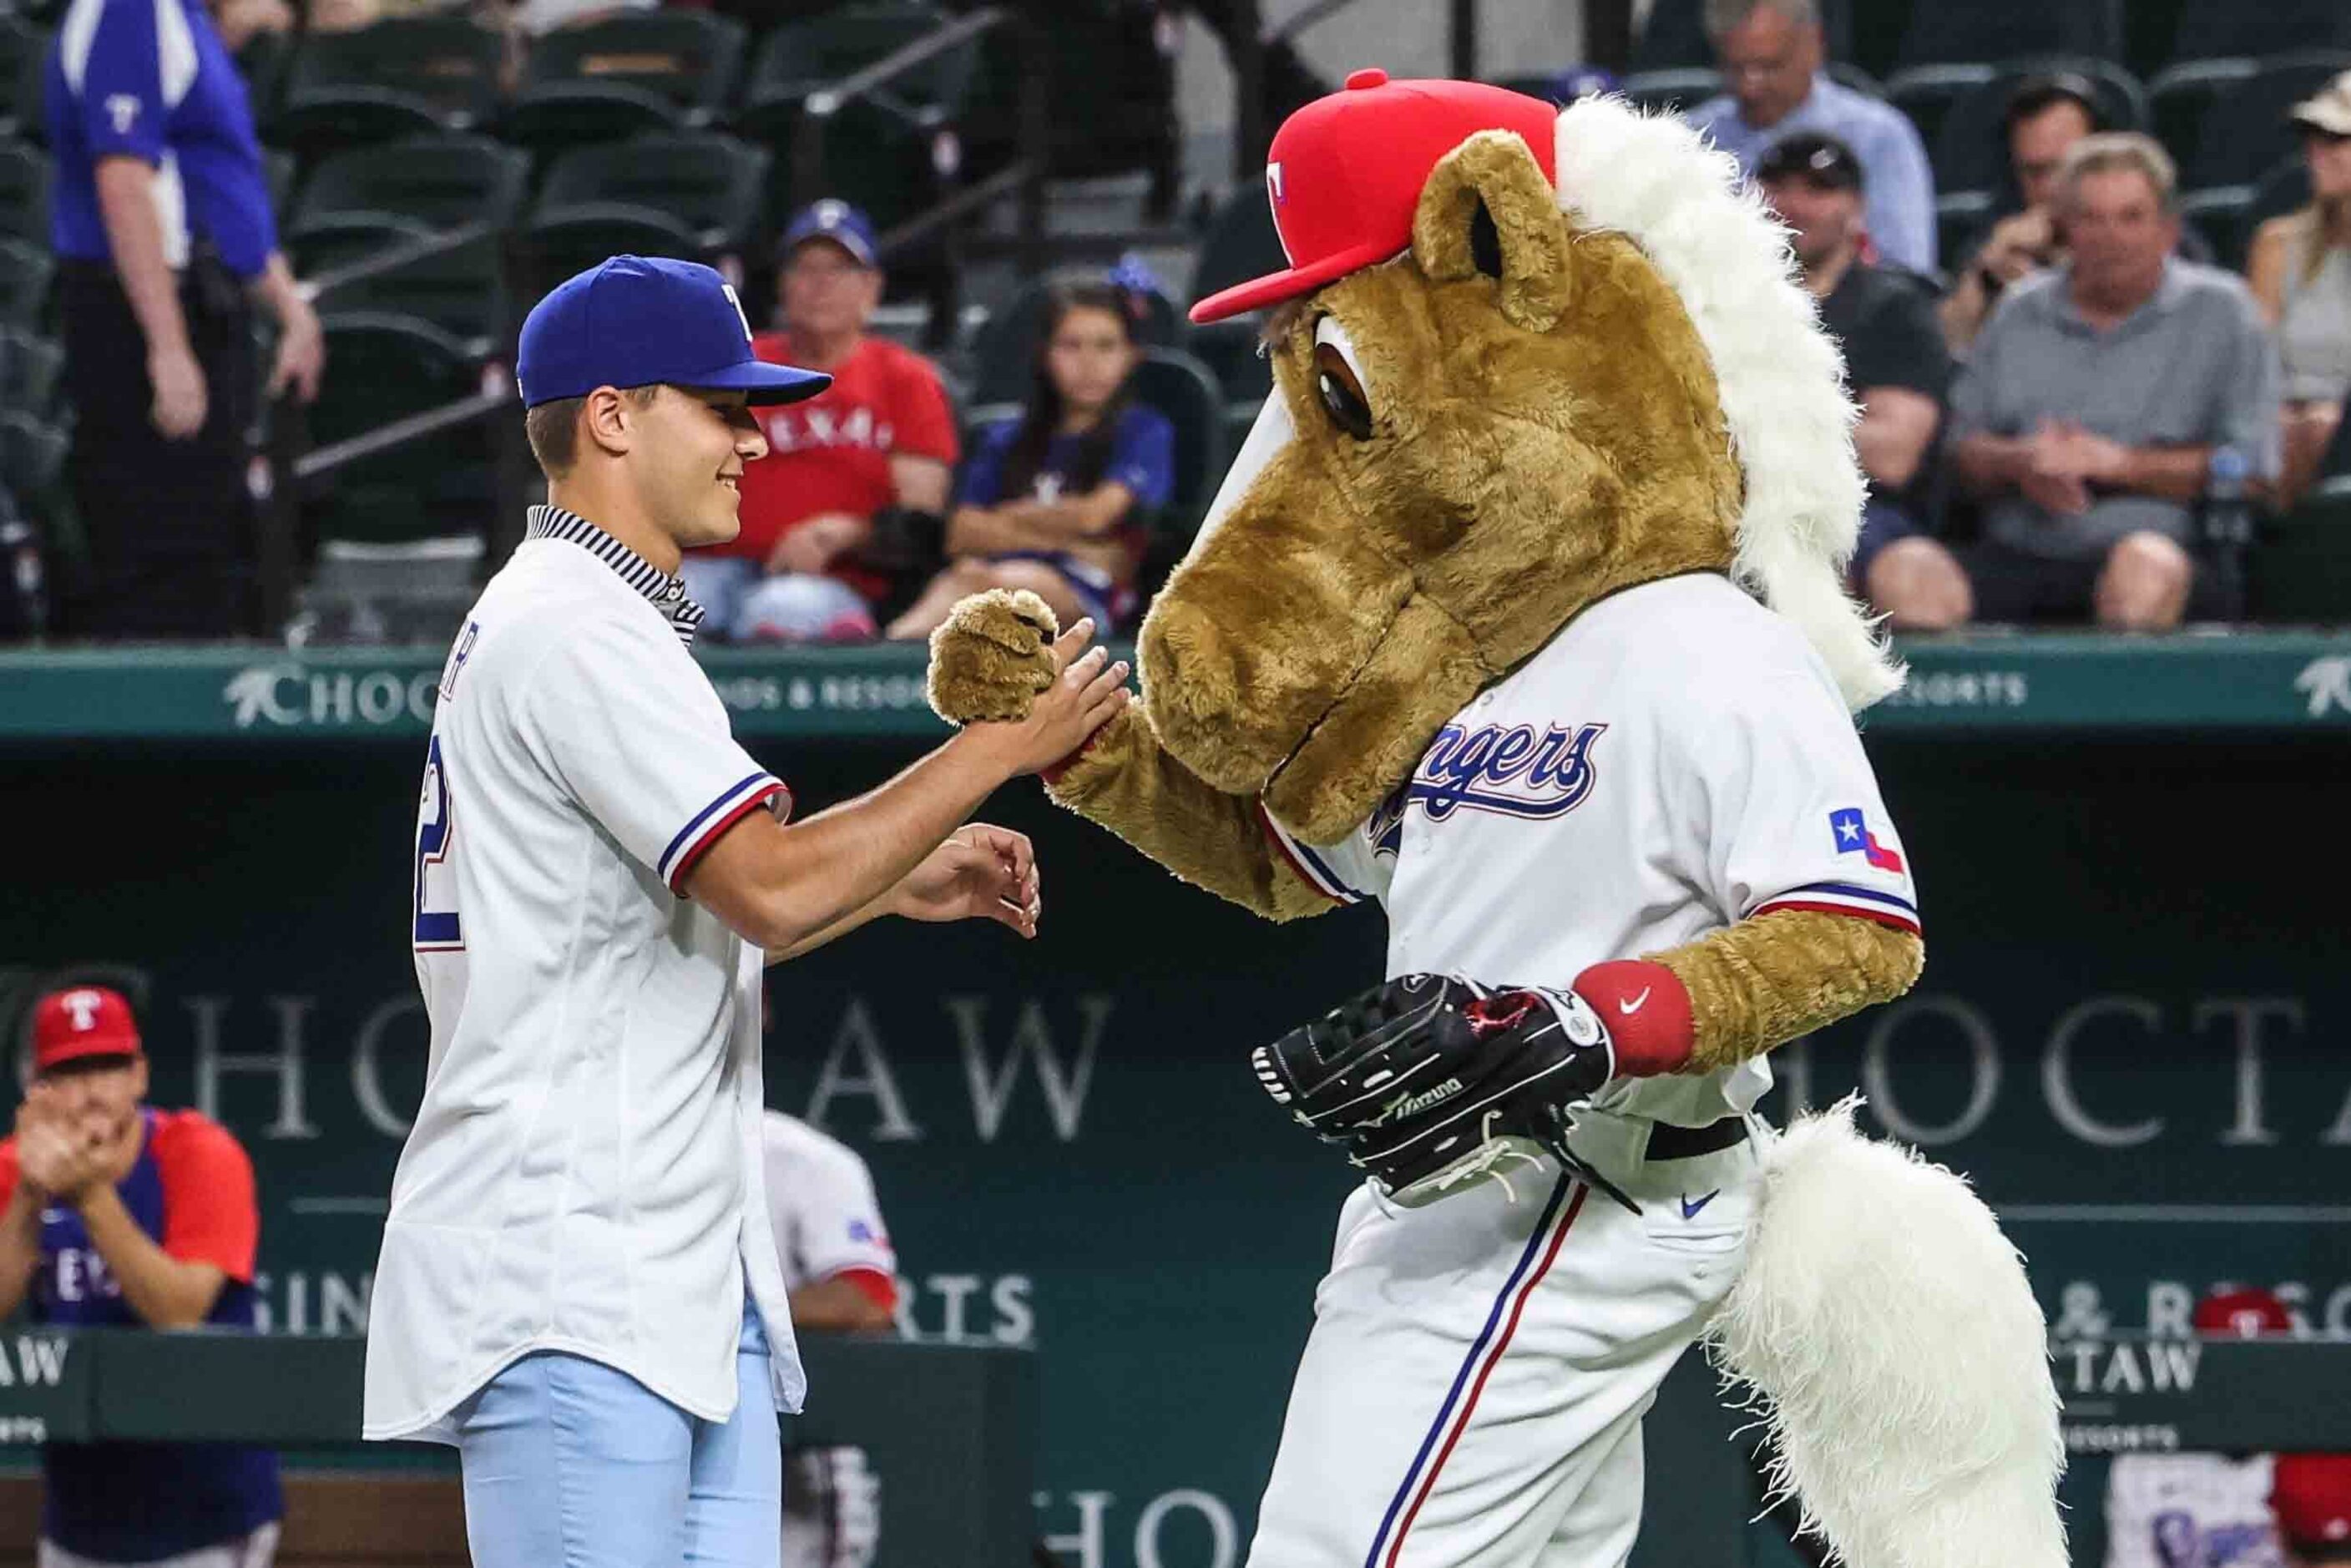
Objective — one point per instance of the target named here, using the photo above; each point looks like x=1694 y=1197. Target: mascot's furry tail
x=1895 y=1351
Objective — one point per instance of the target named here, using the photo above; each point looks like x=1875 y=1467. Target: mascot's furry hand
x=1432 y=1080
x=991 y=656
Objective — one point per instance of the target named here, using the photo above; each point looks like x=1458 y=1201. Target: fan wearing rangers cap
x=115 y=1214
x=578 y=1287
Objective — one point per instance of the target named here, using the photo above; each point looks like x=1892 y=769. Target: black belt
x=1667 y=1142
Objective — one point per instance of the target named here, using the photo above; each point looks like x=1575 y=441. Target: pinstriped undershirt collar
x=664 y=593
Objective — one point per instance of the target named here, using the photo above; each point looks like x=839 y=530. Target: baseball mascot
x=1522 y=612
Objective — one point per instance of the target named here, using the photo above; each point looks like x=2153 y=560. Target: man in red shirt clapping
x=881 y=436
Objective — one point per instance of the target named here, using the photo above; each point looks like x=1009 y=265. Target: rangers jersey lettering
x=1674 y=760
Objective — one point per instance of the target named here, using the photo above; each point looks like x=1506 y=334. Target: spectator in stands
x=2100 y=395
x=1771 y=53
x=2300 y=269
x=1883 y=320
x=2310 y=1495
x=2192 y=1510
x=843 y=1278
x=159 y=218
x=2046 y=116
x=1058 y=498
x=115 y=1214
x=882 y=436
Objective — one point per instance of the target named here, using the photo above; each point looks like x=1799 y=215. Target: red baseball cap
x=1345 y=173
x=2310 y=1495
x=2248 y=1314
x=88 y=1020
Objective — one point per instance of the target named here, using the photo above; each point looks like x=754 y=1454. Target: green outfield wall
x=2134 y=1032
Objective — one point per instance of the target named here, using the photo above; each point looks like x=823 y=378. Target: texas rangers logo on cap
x=1344 y=174
x=82 y=1021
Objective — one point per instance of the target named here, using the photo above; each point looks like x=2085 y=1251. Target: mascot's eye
x=1336 y=383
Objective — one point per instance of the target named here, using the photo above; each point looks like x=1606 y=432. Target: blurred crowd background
x=2090 y=264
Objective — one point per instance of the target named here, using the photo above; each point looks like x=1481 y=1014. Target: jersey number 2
x=437 y=930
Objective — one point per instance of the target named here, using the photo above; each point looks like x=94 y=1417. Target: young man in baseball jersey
x=116 y=1215
x=841 y=1275
x=577 y=1285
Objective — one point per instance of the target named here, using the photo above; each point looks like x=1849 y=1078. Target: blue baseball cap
x=834 y=219
x=636 y=321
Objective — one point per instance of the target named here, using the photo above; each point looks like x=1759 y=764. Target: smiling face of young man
x=686 y=451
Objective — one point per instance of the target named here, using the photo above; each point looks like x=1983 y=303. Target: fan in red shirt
x=114 y=1214
x=881 y=436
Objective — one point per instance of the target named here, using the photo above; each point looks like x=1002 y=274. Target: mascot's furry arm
x=1711 y=1003
x=1739 y=992
x=988 y=660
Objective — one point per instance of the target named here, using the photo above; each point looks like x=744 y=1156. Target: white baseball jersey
x=2190 y=1511
x=1676 y=760
x=584 y=1173
x=820 y=1201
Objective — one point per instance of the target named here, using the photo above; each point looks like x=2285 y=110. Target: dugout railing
x=949 y=1429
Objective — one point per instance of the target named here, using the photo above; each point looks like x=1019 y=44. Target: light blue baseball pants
x=569 y=1463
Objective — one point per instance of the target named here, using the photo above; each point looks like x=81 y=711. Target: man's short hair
x=1723 y=16
x=553 y=429
x=2109 y=150
x=2037 y=94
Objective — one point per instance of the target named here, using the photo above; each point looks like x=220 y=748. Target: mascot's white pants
x=1472 y=1394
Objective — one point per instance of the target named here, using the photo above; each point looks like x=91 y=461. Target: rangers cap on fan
x=2310 y=1495
x=1345 y=174
x=86 y=1021
x=2246 y=1314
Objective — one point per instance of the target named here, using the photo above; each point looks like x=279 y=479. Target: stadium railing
x=961 y=1417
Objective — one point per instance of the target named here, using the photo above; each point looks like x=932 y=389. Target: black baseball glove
x=1431 y=1080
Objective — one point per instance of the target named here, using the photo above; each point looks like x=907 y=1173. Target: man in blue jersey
x=159 y=218
x=114 y=1214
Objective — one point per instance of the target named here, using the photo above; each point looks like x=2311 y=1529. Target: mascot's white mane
x=1659 y=184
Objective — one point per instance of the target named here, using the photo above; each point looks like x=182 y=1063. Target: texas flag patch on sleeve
x=1850 y=828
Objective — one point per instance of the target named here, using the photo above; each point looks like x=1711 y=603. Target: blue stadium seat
x=25 y=275
x=2211 y=29
x=455 y=284
x=24 y=193
x=695 y=194
x=1241 y=243
x=31 y=369
x=411 y=187
x=1673 y=91
x=649 y=70
x=396 y=78
x=1950 y=34
x=2244 y=132
x=386 y=368
x=1674 y=35
x=24 y=57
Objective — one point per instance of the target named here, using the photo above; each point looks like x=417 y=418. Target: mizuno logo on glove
x=1411 y=1104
